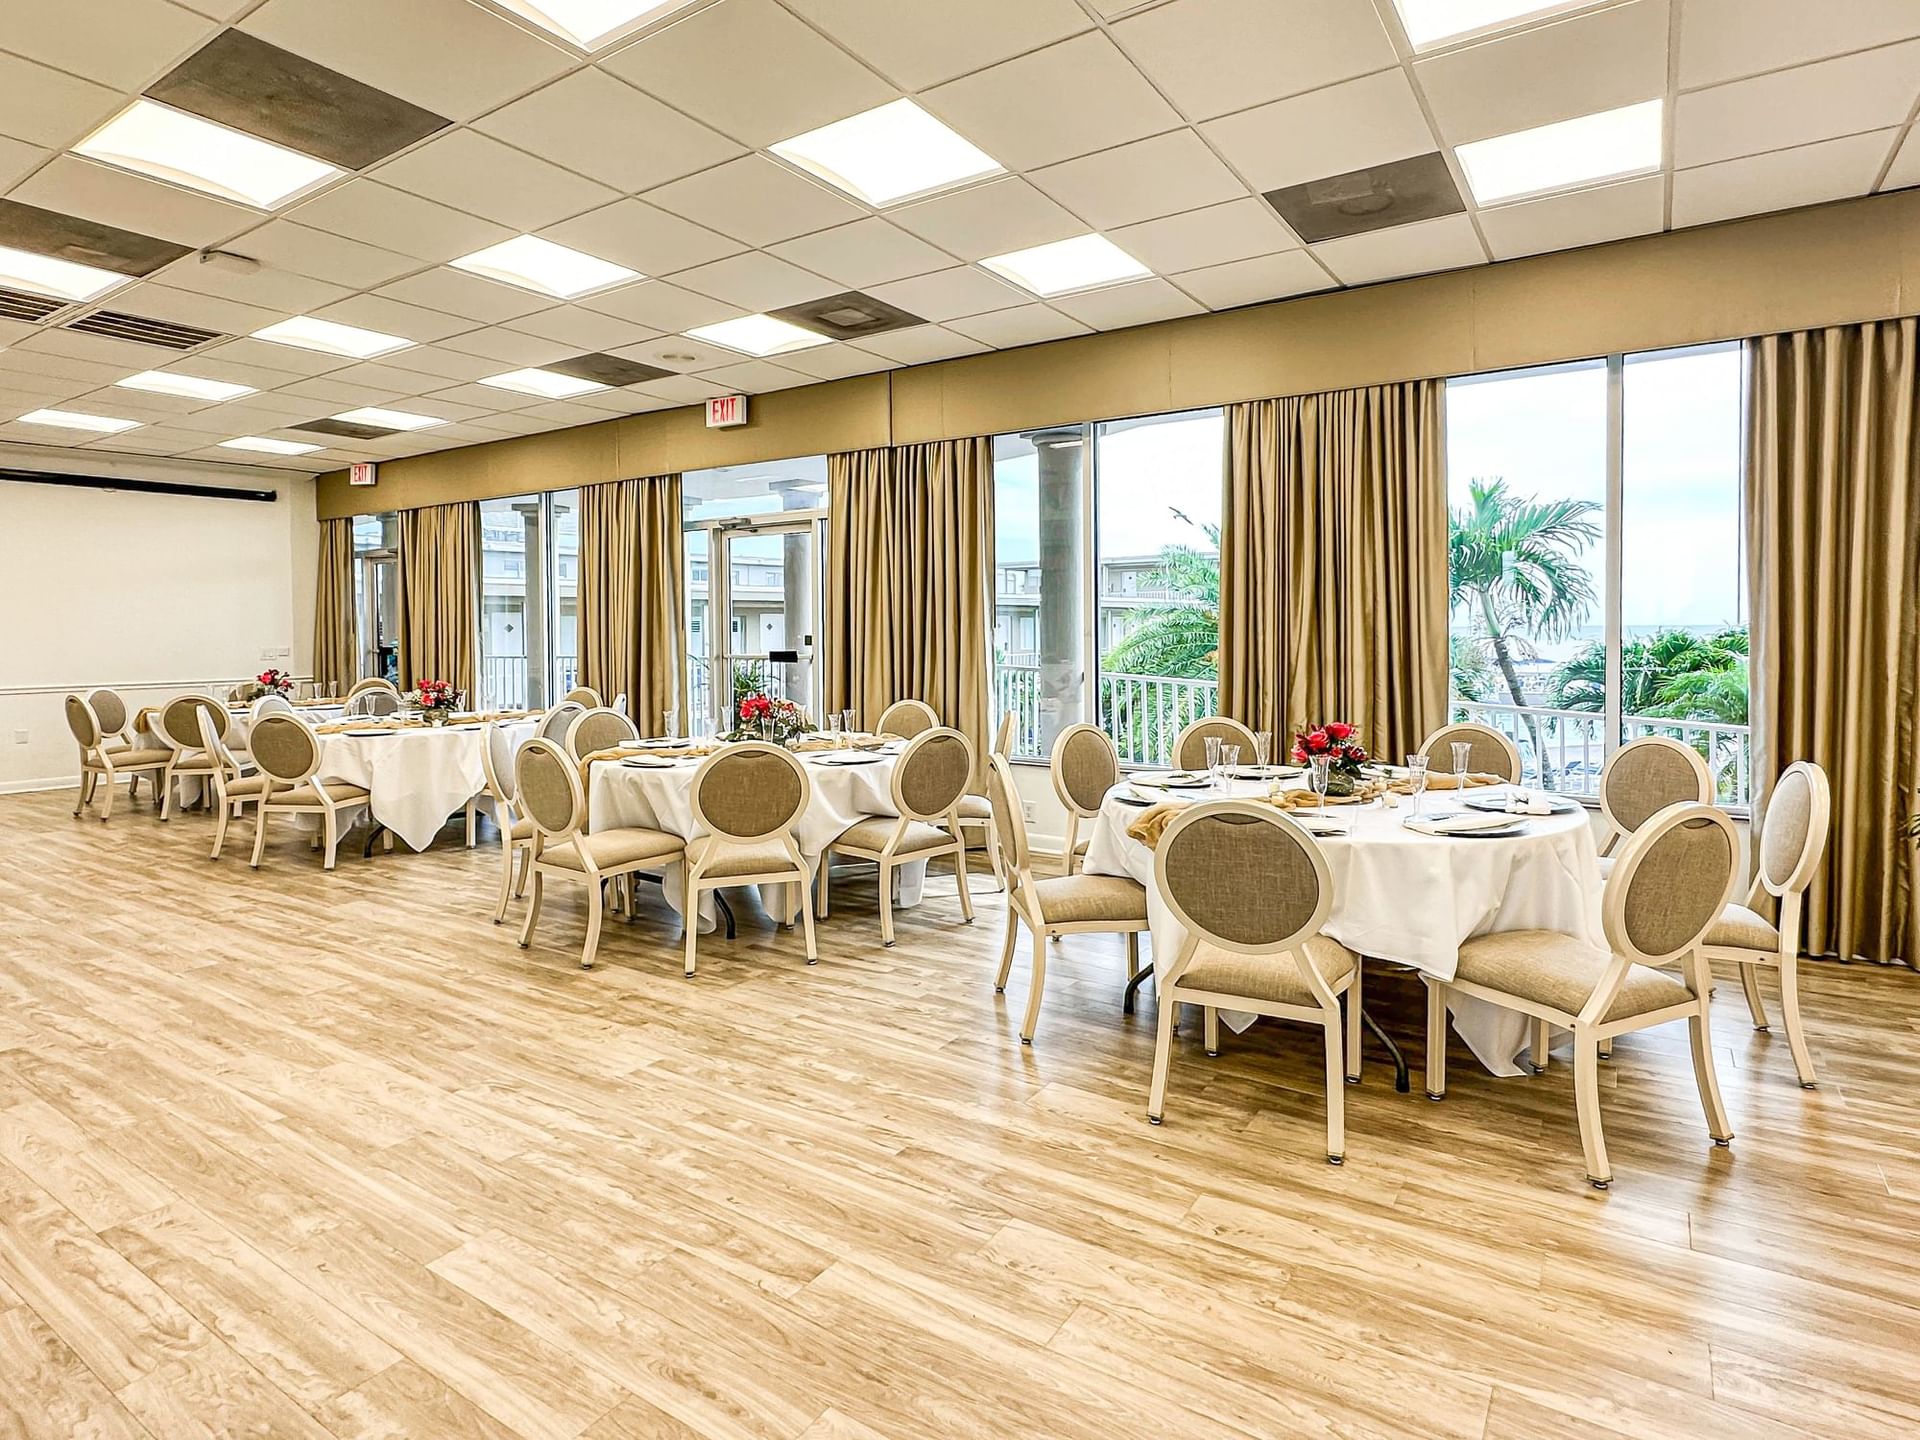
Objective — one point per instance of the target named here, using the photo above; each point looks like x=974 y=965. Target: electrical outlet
x=19 y=737
x=1026 y=809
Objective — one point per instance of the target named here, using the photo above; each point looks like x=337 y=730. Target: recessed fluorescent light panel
x=303 y=332
x=591 y=24
x=758 y=335
x=266 y=445
x=545 y=383
x=1607 y=146
x=190 y=387
x=62 y=279
x=545 y=268
x=74 y=420
x=167 y=144
x=1438 y=22
x=897 y=152
x=389 y=419
x=1085 y=262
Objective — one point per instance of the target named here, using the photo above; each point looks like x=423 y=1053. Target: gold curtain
x=909 y=607
x=439 y=594
x=1833 y=519
x=336 y=645
x=1333 y=565
x=632 y=632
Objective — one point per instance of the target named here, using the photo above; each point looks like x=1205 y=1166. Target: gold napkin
x=340 y=727
x=317 y=704
x=814 y=742
x=1307 y=800
x=1152 y=823
x=1445 y=780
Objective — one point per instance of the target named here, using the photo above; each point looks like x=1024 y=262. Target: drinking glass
x=672 y=718
x=846 y=724
x=1229 y=762
x=1212 y=743
x=1320 y=772
x=1462 y=753
x=1262 y=747
x=834 y=733
x=1417 y=780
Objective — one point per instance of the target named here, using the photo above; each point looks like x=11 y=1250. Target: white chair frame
x=506 y=815
x=97 y=764
x=1242 y=736
x=190 y=761
x=228 y=771
x=1070 y=850
x=798 y=875
x=928 y=717
x=1002 y=744
x=324 y=805
x=1617 y=832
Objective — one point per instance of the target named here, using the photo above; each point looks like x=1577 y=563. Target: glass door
x=760 y=616
x=380 y=615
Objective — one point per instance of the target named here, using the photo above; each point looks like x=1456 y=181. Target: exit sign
x=726 y=411
x=365 y=473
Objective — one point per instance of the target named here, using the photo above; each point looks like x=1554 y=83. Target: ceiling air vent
x=19 y=305
x=115 y=325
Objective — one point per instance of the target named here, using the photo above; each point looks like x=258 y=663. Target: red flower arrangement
x=274 y=682
x=1335 y=740
x=436 y=697
x=760 y=713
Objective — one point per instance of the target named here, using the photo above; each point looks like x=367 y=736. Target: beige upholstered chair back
x=585 y=696
x=603 y=729
x=1003 y=737
x=1670 y=883
x=1647 y=775
x=372 y=682
x=110 y=710
x=1794 y=835
x=749 y=790
x=907 y=718
x=497 y=760
x=547 y=781
x=1009 y=820
x=559 y=720
x=1492 y=753
x=1190 y=748
x=84 y=723
x=285 y=748
x=271 y=705
x=179 y=725
x=1085 y=766
x=931 y=774
x=375 y=700
x=1243 y=877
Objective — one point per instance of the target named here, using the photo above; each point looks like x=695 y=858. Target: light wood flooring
x=295 y=1154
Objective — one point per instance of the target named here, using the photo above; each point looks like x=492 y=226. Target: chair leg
x=1790 y=1015
x=806 y=927
x=1211 y=1026
x=690 y=917
x=1336 y=1093
x=473 y=818
x=960 y=877
x=1006 y=952
x=1756 y=1005
x=596 y=912
x=1586 y=1099
x=993 y=858
x=1162 y=1060
x=106 y=809
x=526 y=873
x=166 y=797
x=883 y=875
x=1700 y=1041
x=330 y=832
x=259 y=833
x=1606 y=1048
x=506 y=878
x=1538 y=1057
x=219 y=831
x=826 y=886
x=1355 y=1055
x=1436 y=1040
x=1039 y=984
x=533 y=910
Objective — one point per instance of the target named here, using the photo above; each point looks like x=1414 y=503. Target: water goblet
x=1229 y=762
x=1212 y=744
x=1320 y=773
x=1262 y=747
x=671 y=717
x=1462 y=754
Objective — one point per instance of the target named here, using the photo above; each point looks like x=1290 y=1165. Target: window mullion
x=1615 y=548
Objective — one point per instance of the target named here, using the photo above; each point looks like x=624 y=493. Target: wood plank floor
x=295 y=1154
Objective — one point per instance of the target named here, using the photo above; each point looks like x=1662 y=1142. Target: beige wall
x=1828 y=265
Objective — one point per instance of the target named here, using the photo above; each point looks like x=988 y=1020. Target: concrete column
x=1063 y=546
x=533 y=607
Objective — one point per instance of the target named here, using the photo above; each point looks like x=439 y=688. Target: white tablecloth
x=622 y=796
x=1412 y=898
x=415 y=778
x=238 y=738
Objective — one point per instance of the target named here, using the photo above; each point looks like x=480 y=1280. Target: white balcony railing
x=503 y=680
x=1143 y=713
x=1576 y=747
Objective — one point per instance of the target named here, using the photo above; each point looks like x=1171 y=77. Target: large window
x=376 y=603
x=1598 y=560
x=529 y=588
x=1108 y=544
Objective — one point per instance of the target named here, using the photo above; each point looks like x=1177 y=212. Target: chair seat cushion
x=522 y=829
x=246 y=785
x=614 y=849
x=1549 y=968
x=719 y=858
x=874 y=832
x=1740 y=928
x=1276 y=979
x=975 y=807
x=338 y=791
x=1091 y=900
x=127 y=758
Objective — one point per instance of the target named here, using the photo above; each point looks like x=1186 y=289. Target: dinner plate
x=1173 y=781
x=1265 y=772
x=1497 y=805
x=848 y=760
x=1138 y=801
x=1490 y=832
x=367 y=734
x=646 y=762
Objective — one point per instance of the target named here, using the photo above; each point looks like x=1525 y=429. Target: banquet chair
x=1190 y=746
x=585 y=696
x=1672 y=883
x=557 y=721
x=100 y=761
x=233 y=788
x=929 y=781
x=287 y=753
x=114 y=717
x=372 y=682
x=516 y=830
x=245 y=693
x=1642 y=778
x=619 y=703
x=375 y=700
x=1253 y=891
x=178 y=726
x=1793 y=838
x=747 y=799
x=1058 y=905
x=976 y=811
x=603 y=729
x=907 y=718
x=547 y=783
x=270 y=704
x=1085 y=765
x=1492 y=752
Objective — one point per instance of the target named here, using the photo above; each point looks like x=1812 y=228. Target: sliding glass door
x=529 y=599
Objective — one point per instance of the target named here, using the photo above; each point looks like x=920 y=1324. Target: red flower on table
x=1334 y=740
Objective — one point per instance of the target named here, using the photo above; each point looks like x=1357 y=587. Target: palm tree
x=1513 y=564
x=1178 y=638
x=1672 y=674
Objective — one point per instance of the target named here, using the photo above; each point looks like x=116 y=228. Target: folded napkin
x=1529 y=802
x=1307 y=800
x=1445 y=780
x=340 y=727
x=471 y=717
x=317 y=704
x=815 y=742
x=1460 y=824
x=1151 y=824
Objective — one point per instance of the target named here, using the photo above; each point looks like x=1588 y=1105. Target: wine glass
x=1262 y=747
x=1417 y=780
x=1319 y=774
x=846 y=724
x=1462 y=753
x=1212 y=743
x=835 y=734
x=671 y=717
x=1229 y=762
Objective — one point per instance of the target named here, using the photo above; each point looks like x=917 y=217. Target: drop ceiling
x=1183 y=131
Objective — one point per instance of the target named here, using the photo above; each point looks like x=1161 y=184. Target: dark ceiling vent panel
x=19 y=305
x=142 y=330
x=1362 y=201
x=606 y=369
x=351 y=429
x=847 y=316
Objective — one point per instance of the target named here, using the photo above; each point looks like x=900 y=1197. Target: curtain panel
x=632 y=623
x=1833 y=520
x=336 y=645
x=1333 y=565
x=439 y=594
x=909 y=603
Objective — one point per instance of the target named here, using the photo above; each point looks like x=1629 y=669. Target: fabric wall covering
x=632 y=626
x=336 y=645
x=439 y=594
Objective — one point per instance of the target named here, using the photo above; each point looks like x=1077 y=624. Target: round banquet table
x=620 y=796
x=415 y=776
x=1408 y=897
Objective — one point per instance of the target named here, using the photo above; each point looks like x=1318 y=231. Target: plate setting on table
x=366 y=734
x=855 y=758
x=647 y=762
x=1498 y=805
x=1171 y=780
x=1486 y=825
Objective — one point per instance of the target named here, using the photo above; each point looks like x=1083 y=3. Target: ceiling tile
x=755 y=281
x=620 y=402
x=751 y=70
x=1140 y=303
x=942 y=41
x=1069 y=99
x=128 y=355
x=1329 y=132
x=990 y=219
x=117 y=197
x=1246 y=282
x=1905 y=169
x=333 y=258
x=921 y=345
x=1216 y=56
x=1727 y=39
x=950 y=294
x=1869 y=91
x=1780 y=179
x=836 y=362
x=1396 y=192
x=684 y=389
x=1022 y=325
x=17 y=158
x=482 y=396
x=755 y=200
x=483 y=177
x=579 y=330
x=269 y=287
x=679 y=352
x=448 y=55
x=454 y=292
x=47 y=107
x=395 y=317
x=1238 y=230
x=1581 y=217
x=450 y=365
x=335 y=389
x=605 y=129
x=755 y=377
x=642 y=237
x=1444 y=244
x=403 y=222
x=1148 y=178
x=282 y=364
x=1576 y=66
x=659 y=306
x=184 y=307
x=123 y=43
x=512 y=348
x=867 y=252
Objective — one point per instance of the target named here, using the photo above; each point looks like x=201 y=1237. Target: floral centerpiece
x=1335 y=739
x=763 y=717
x=435 y=699
x=274 y=682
